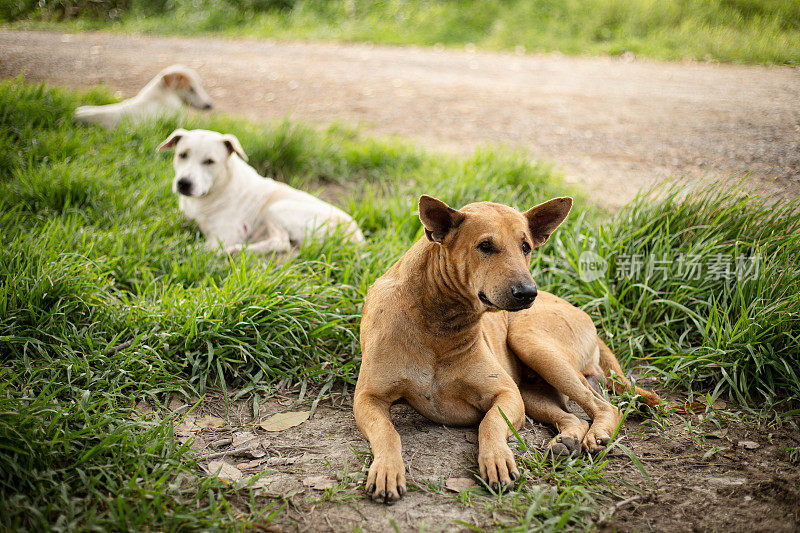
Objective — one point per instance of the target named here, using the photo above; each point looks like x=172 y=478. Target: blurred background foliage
x=746 y=31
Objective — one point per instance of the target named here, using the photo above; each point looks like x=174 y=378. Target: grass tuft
x=702 y=284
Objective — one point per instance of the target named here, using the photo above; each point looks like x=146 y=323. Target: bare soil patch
x=616 y=125
x=748 y=484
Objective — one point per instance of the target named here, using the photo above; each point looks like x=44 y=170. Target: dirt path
x=709 y=472
x=615 y=125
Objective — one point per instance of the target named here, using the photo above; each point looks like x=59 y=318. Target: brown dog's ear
x=233 y=145
x=437 y=217
x=176 y=80
x=173 y=138
x=543 y=219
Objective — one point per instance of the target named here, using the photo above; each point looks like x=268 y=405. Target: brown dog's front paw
x=596 y=440
x=386 y=481
x=568 y=441
x=497 y=466
x=563 y=446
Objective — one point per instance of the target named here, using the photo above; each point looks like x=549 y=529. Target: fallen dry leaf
x=223 y=470
x=249 y=465
x=281 y=461
x=727 y=481
x=143 y=408
x=176 y=405
x=460 y=484
x=198 y=444
x=210 y=421
x=279 y=483
x=748 y=444
x=282 y=421
x=691 y=407
x=318 y=482
x=242 y=437
x=187 y=426
x=261 y=483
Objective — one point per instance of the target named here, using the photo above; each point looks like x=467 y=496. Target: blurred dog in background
x=173 y=87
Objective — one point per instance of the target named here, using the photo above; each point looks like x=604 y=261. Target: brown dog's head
x=490 y=245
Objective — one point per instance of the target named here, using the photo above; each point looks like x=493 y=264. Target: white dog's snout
x=184 y=185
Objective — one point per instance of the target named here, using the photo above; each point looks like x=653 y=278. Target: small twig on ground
x=296 y=448
x=119 y=348
x=617 y=506
x=221 y=442
x=237 y=451
x=692 y=456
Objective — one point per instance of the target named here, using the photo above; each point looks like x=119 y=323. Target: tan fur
x=177 y=80
x=451 y=330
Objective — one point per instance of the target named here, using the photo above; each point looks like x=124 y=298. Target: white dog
x=235 y=207
x=164 y=94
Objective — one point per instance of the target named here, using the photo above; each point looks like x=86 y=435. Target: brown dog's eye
x=208 y=162
x=183 y=155
x=526 y=248
x=486 y=247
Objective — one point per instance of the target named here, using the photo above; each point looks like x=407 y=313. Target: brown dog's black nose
x=208 y=106
x=184 y=186
x=524 y=293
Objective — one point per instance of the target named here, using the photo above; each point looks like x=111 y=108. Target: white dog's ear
x=173 y=138
x=437 y=217
x=233 y=145
x=543 y=219
x=176 y=80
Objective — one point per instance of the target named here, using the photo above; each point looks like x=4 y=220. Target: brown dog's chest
x=441 y=399
x=461 y=391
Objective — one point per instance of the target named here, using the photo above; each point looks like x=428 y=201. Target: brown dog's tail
x=608 y=362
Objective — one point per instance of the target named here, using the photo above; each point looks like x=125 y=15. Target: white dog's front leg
x=274 y=245
x=272 y=238
x=215 y=245
x=223 y=246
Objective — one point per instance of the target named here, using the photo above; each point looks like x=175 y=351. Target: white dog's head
x=201 y=160
x=185 y=83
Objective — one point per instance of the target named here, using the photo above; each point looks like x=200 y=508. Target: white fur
x=235 y=207
x=165 y=94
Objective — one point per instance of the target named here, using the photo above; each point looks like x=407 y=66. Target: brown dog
x=450 y=329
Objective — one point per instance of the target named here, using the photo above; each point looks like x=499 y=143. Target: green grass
x=695 y=320
x=740 y=31
x=95 y=255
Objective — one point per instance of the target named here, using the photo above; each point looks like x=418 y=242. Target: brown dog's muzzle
x=524 y=293
x=516 y=297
